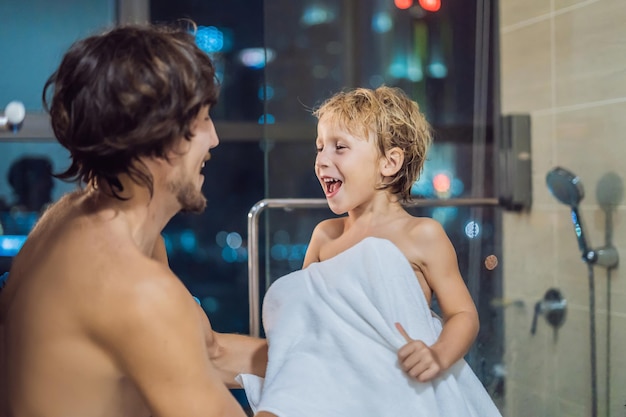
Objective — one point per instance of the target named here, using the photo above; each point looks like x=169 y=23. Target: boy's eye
x=340 y=147
x=318 y=149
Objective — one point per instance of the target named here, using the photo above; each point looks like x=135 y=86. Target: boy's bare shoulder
x=426 y=230
x=415 y=236
x=330 y=229
x=326 y=231
x=428 y=245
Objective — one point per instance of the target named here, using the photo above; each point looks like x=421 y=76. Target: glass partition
x=34 y=36
x=444 y=60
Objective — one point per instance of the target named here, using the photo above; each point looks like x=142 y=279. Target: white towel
x=333 y=344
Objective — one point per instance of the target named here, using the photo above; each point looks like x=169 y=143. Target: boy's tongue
x=334 y=186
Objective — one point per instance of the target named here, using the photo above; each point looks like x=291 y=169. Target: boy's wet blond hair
x=393 y=119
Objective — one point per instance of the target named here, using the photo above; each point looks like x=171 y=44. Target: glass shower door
x=444 y=60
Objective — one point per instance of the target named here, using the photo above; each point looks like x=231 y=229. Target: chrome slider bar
x=290 y=203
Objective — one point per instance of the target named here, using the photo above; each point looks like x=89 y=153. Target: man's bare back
x=93 y=323
x=62 y=303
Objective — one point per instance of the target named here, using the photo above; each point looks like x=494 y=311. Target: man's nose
x=215 y=141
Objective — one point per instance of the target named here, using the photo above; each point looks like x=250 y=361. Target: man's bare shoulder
x=140 y=279
x=136 y=295
x=94 y=257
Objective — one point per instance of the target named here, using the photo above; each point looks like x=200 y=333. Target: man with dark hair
x=94 y=321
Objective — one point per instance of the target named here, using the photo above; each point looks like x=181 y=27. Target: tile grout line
x=540 y=18
x=581 y=106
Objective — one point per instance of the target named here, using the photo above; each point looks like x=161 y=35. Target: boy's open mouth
x=332 y=185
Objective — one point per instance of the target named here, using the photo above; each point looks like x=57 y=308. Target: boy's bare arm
x=154 y=334
x=438 y=262
x=444 y=278
x=313 y=248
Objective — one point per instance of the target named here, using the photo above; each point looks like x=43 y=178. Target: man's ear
x=391 y=163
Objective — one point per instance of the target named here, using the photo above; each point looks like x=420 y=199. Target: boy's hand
x=417 y=359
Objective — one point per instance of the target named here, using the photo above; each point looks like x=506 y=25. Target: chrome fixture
x=568 y=189
x=14 y=115
x=552 y=307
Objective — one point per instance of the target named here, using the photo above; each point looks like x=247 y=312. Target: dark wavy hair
x=130 y=92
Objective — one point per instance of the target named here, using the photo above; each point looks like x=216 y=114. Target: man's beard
x=190 y=199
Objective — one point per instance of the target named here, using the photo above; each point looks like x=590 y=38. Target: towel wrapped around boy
x=333 y=343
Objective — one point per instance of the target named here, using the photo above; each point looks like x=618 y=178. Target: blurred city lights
x=457 y=187
x=279 y=252
x=256 y=57
x=266 y=92
x=441 y=183
x=406 y=66
x=422 y=187
x=382 y=22
x=242 y=254
x=267 y=119
x=294 y=254
x=491 y=262
x=234 y=240
x=403 y=4
x=414 y=72
x=188 y=241
x=220 y=238
x=472 y=229
x=10 y=245
x=229 y=254
x=430 y=5
x=398 y=69
x=437 y=70
x=209 y=39
x=316 y=15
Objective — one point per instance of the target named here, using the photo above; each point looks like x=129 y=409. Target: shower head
x=565 y=186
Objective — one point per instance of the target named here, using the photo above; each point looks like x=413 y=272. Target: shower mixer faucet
x=553 y=307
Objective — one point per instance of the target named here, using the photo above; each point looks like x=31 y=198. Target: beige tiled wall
x=564 y=63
